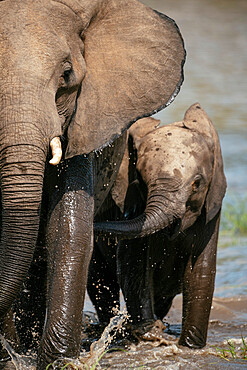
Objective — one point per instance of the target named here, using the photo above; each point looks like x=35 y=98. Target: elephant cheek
x=189 y=218
x=65 y=104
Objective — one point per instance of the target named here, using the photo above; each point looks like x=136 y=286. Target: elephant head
x=84 y=70
x=182 y=169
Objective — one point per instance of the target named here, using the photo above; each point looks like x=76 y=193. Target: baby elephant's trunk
x=157 y=216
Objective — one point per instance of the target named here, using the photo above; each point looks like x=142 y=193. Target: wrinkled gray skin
x=72 y=69
x=176 y=184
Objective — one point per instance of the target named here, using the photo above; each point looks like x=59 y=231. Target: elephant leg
x=135 y=277
x=102 y=286
x=69 y=244
x=198 y=286
x=162 y=306
x=30 y=307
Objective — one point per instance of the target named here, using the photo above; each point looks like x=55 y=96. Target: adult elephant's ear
x=134 y=58
x=197 y=119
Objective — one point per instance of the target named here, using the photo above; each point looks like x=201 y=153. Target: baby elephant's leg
x=198 y=286
x=102 y=285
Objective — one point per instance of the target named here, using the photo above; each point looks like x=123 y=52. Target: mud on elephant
x=174 y=184
x=83 y=71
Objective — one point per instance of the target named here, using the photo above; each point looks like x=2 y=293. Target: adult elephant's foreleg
x=69 y=240
x=198 y=286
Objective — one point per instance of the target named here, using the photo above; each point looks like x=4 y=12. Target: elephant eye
x=196 y=183
x=65 y=78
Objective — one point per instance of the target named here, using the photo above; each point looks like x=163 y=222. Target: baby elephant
x=176 y=185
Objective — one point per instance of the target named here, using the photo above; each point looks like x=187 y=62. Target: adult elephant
x=84 y=71
x=175 y=187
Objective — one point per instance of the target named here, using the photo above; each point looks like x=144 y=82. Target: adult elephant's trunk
x=22 y=161
x=159 y=214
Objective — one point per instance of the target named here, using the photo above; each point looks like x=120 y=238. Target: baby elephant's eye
x=196 y=183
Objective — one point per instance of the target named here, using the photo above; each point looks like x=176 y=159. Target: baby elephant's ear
x=197 y=119
x=134 y=58
x=217 y=187
x=141 y=128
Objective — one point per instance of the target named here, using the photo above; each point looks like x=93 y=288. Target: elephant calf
x=175 y=186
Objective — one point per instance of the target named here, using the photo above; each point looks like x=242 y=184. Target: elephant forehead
x=173 y=151
x=35 y=39
x=25 y=21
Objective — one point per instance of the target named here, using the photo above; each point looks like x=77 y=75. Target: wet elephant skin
x=70 y=86
x=174 y=186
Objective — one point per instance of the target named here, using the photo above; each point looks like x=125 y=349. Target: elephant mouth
x=173 y=229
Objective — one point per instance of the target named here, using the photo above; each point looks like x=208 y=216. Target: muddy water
x=228 y=322
x=216 y=76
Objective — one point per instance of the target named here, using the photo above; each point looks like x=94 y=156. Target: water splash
x=86 y=361
x=20 y=362
x=98 y=348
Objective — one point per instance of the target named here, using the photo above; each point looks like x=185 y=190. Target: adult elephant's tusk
x=56 y=149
